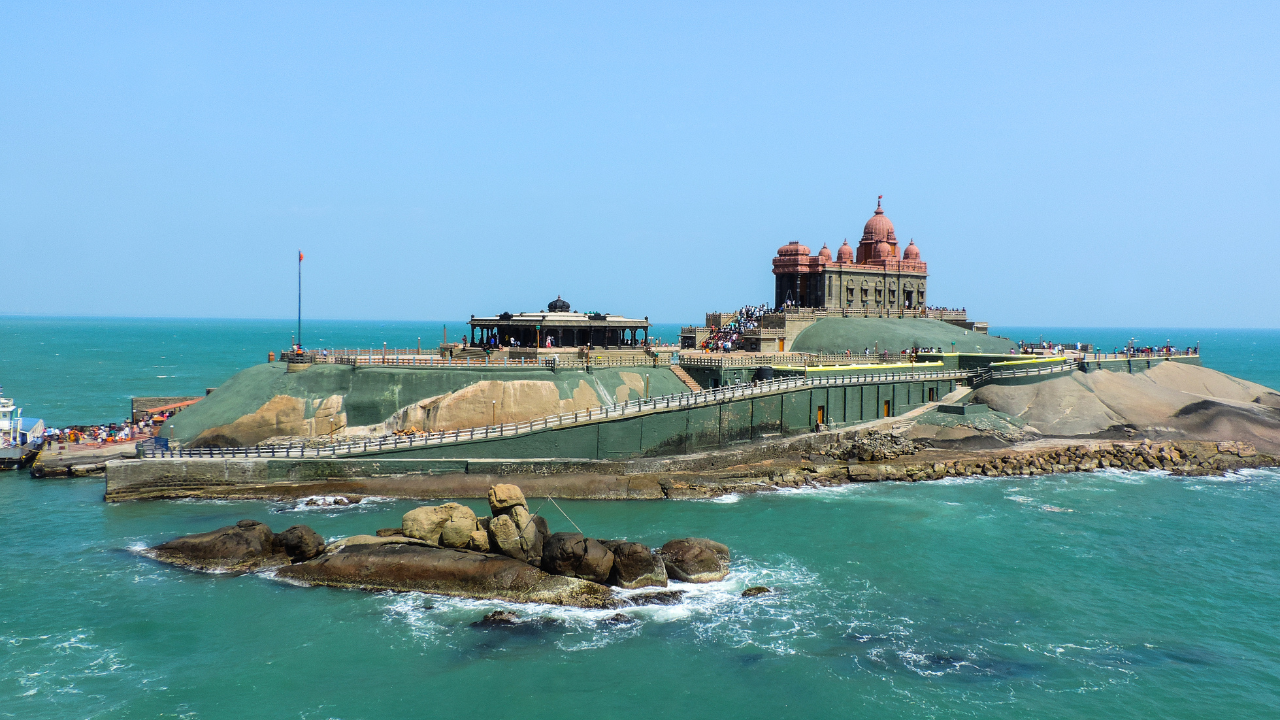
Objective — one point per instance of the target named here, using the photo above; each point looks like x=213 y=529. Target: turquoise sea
x=1134 y=595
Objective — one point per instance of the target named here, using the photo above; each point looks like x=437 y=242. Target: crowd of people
x=107 y=433
x=728 y=337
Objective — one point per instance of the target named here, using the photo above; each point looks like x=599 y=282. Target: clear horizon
x=1083 y=165
x=658 y=321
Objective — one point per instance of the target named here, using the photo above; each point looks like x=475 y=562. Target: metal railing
x=605 y=412
x=986 y=375
x=378 y=359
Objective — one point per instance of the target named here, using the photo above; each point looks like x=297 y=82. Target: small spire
x=878 y=199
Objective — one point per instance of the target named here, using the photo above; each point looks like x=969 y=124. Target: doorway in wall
x=933 y=394
x=822 y=414
x=780 y=342
x=888 y=408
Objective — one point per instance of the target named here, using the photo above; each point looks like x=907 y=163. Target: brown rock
x=518 y=535
x=497 y=617
x=572 y=555
x=247 y=545
x=300 y=543
x=635 y=566
x=426 y=522
x=696 y=560
x=502 y=498
x=461 y=573
x=754 y=591
x=662 y=597
x=448 y=525
x=456 y=532
x=479 y=541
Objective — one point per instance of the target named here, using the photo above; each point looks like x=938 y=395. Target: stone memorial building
x=874 y=279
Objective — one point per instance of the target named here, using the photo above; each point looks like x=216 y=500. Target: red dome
x=845 y=254
x=879 y=228
x=882 y=251
x=793 y=248
x=824 y=253
x=912 y=252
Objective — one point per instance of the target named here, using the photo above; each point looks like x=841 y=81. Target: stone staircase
x=684 y=378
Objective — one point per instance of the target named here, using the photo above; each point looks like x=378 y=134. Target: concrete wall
x=686 y=430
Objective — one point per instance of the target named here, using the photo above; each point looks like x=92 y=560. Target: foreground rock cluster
x=244 y=547
x=448 y=550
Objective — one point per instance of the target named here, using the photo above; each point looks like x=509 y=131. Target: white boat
x=10 y=422
x=19 y=437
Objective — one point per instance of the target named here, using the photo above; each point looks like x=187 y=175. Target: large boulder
x=479 y=541
x=635 y=565
x=696 y=560
x=341 y=543
x=572 y=555
x=247 y=545
x=300 y=543
x=449 y=525
x=456 y=532
x=518 y=535
x=461 y=573
x=503 y=498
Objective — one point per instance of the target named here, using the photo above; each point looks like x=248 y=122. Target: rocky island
x=575 y=405
x=448 y=550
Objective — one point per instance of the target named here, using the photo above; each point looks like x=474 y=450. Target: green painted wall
x=373 y=394
x=687 y=430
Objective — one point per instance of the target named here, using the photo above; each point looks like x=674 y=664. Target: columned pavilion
x=559 y=327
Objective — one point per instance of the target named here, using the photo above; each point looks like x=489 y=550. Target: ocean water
x=1135 y=595
x=1079 y=596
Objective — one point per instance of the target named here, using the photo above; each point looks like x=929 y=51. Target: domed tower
x=798 y=275
x=911 y=252
x=878 y=240
x=558 y=305
x=845 y=254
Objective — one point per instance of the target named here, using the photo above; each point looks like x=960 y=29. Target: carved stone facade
x=875 y=280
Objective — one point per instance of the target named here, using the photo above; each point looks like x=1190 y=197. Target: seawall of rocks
x=837 y=464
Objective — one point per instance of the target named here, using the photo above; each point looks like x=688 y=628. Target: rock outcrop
x=572 y=555
x=1169 y=401
x=635 y=565
x=300 y=543
x=448 y=525
x=696 y=560
x=518 y=535
x=244 y=547
x=443 y=571
x=504 y=498
x=447 y=550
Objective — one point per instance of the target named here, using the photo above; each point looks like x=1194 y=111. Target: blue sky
x=1058 y=164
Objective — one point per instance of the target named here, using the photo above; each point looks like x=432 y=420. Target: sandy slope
x=1169 y=400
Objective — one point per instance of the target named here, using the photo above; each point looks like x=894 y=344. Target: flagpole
x=299 y=298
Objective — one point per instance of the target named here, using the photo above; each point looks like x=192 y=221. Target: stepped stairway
x=684 y=378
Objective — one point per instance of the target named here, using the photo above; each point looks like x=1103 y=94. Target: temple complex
x=877 y=280
x=874 y=280
x=559 y=326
